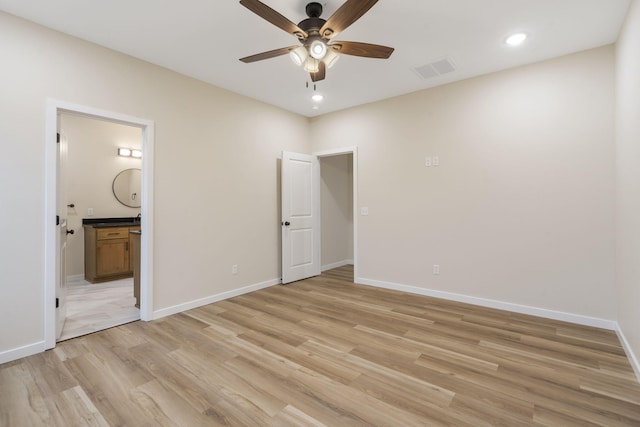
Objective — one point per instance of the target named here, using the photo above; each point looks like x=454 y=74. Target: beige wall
x=216 y=180
x=628 y=180
x=520 y=209
x=92 y=165
x=336 y=193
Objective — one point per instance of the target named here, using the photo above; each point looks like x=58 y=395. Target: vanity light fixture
x=317 y=97
x=128 y=152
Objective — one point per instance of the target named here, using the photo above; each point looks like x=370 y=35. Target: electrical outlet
x=234 y=269
x=90 y=212
x=428 y=161
x=364 y=211
x=436 y=269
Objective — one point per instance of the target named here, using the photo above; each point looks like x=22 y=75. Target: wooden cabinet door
x=112 y=257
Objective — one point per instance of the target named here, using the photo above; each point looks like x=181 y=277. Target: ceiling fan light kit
x=330 y=58
x=317 y=52
x=318 y=49
x=311 y=65
x=298 y=55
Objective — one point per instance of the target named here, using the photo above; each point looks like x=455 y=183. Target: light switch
x=436 y=161
x=364 y=211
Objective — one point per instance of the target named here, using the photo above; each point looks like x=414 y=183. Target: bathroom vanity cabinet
x=107 y=251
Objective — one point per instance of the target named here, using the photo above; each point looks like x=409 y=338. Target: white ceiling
x=204 y=39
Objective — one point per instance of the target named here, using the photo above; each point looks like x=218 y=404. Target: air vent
x=435 y=68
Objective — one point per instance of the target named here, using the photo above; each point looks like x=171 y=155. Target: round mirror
x=126 y=187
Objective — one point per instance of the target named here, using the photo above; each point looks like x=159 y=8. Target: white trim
x=337 y=264
x=20 y=352
x=500 y=305
x=53 y=108
x=336 y=152
x=147 y=227
x=50 y=228
x=633 y=360
x=75 y=278
x=354 y=151
x=212 y=299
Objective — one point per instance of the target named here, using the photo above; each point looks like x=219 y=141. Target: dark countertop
x=110 y=222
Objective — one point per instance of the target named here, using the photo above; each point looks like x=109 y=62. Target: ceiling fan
x=318 y=51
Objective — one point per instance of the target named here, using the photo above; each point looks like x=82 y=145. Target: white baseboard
x=20 y=352
x=211 y=299
x=500 y=305
x=337 y=264
x=75 y=278
x=630 y=354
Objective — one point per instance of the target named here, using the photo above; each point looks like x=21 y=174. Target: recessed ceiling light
x=317 y=97
x=516 y=39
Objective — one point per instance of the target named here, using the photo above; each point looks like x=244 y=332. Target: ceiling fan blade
x=320 y=74
x=362 y=49
x=267 y=55
x=274 y=17
x=346 y=15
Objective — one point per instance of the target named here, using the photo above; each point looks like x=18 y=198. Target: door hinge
x=58 y=138
x=57 y=302
x=57 y=219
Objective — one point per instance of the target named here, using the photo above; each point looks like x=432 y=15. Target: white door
x=300 y=216
x=61 y=235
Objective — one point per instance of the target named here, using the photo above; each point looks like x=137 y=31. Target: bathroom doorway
x=95 y=163
x=58 y=113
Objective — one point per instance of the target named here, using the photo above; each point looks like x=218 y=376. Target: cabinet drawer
x=113 y=233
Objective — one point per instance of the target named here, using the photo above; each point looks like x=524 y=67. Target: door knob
x=286 y=223
x=70 y=232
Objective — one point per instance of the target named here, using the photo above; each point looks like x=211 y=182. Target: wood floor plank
x=327 y=352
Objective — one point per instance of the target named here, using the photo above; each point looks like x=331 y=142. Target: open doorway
x=102 y=187
x=54 y=307
x=338 y=175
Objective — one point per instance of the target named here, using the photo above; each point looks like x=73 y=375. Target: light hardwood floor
x=94 y=307
x=324 y=351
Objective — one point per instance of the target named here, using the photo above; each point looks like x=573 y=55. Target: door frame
x=51 y=269
x=354 y=152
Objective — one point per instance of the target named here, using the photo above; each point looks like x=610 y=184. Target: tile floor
x=94 y=307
